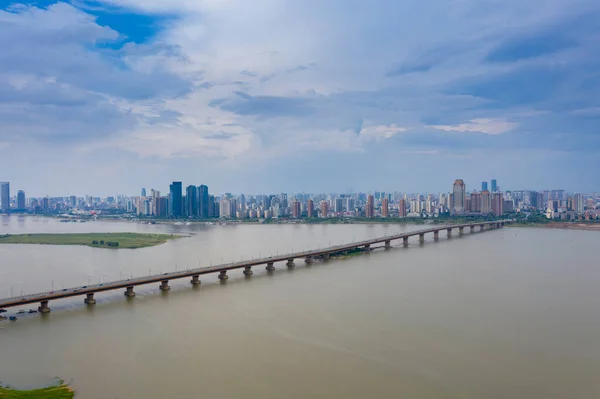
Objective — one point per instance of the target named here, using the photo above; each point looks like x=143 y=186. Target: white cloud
x=488 y=126
x=381 y=132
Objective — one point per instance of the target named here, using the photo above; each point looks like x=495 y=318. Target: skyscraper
x=578 y=203
x=484 y=186
x=21 y=200
x=203 y=202
x=338 y=205
x=494 y=186
x=310 y=208
x=485 y=202
x=5 y=196
x=191 y=201
x=296 y=209
x=175 y=199
x=143 y=192
x=497 y=204
x=402 y=208
x=458 y=193
x=385 y=207
x=350 y=204
x=370 y=206
x=324 y=209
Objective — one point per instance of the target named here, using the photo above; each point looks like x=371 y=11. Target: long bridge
x=309 y=256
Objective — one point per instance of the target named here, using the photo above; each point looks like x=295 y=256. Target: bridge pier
x=195 y=280
x=405 y=241
x=223 y=275
x=270 y=266
x=367 y=247
x=481 y=227
x=43 y=308
x=461 y=231
x=388 y=244
x=422 y=238
x=472 y=229
x=248 y=271
x=89 y=299
x=308 y=260
x=164 y=285
x=326 y=256
x=498 y=225
x=290 y=263
x=129 y=292
x=436 y=235
x=449 y=233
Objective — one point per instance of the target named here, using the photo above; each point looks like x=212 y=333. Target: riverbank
x=562 y=226
x=94 y=240
x=58 y=392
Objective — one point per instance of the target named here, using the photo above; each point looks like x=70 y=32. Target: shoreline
x=561 y=226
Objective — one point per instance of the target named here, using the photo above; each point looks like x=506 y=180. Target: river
x=509 y=313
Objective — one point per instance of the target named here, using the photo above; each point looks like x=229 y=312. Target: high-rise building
x=385 y=207
x=175 y=199
x=5 y=197
x=370 y=206
x=143 y=192
x=296 y=211
x=310 y=208
x=476 y=202
x=350 y=204
x=191 y=201
x=484 y=186
x=485 y=202
x=203 y=202
x=225 y=208
x=578 y=203
x=494 y=186
x=338 y=205
x=324 y=209
x=458 y=193
x=21 y=200
x=497 y=204
x=402 y=208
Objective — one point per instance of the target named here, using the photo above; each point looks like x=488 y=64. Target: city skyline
x=329 y=97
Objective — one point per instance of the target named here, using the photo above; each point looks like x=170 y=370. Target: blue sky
x=315 y=96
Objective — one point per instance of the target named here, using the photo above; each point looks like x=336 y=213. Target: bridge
x=309 y=256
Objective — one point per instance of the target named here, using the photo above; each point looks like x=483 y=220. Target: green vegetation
x=96 y=240
x=58 y=392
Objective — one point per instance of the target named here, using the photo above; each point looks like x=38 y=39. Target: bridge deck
x=90 y=289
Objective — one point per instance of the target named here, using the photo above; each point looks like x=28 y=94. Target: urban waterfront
x=507 y=313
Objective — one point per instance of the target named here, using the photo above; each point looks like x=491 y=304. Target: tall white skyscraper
x=458 y=190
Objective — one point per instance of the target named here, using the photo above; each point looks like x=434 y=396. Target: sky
x=109 y=96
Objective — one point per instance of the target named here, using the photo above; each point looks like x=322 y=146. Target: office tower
x=484 y=186
x=143 y=192
x=266 y=202
x=296 y=213
x=203 y=202
x=324 y=209
x=402 y=208
x=175 y=199
x=458 y=194
x=191 y=201
x=485 y=202
x=45 y=204
x=385 y=207
x=497 y=204
x=5 y=197
x=225 y=208
x=370 y=206
x=21 y=200
x=338 y=205
x=418 y=208
x=350 y=204
x=494 y=186
x=310 y=208
x=508 y=206
x=468 y=205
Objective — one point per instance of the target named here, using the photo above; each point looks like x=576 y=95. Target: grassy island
x=58 y=392
x=95 y=240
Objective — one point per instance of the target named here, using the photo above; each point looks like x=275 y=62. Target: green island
x=95 y=240
x=61 y=391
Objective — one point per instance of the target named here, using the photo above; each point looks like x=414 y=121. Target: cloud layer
x=298 y=96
